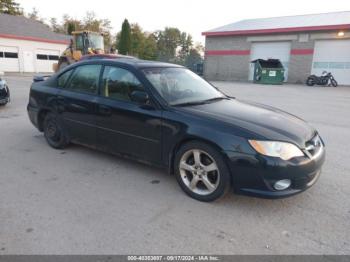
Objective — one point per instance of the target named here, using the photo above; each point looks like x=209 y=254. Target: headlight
x=282 y=150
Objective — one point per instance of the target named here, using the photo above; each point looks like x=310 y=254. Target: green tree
x=137 y=42
x=186 y=44
x=71 y=27
x=10 y=7
x=34 y=14
x=168 y=41
x=193 y=57
x=70 y=24
x=150 y=48
x=55 y=26
x=124 y=43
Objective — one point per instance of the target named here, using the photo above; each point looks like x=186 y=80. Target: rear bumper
x=4 y=101
x=255 y=175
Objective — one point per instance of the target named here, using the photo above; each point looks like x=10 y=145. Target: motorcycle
x=4 y=92
x=325 y=79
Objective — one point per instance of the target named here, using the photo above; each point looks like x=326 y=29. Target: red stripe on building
x=302 y=52
x=226 y=52
x=278 y=30
x=35 y=39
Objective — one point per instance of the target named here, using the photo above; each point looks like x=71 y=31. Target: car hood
x=260 y=120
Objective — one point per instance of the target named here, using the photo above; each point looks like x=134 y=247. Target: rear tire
x=310 y=82
x=202 y=172
x=54 y=133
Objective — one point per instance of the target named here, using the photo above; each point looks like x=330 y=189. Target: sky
x=192 y=16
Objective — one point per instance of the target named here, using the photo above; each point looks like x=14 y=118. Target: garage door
x=270 y=50
x=45 y=59
x=9 y=59
x=333 y=56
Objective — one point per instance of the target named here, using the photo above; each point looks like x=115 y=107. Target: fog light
x=282 y=184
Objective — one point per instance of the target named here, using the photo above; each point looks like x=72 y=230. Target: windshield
x=181 y=86
x=96 y=41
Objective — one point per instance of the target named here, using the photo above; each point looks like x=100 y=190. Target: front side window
x=119 y=83
x=85 y=79
x=180 y=86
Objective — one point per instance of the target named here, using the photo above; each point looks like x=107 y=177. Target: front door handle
x=105 y=110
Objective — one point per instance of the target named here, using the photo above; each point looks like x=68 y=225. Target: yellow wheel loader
x=83 y=43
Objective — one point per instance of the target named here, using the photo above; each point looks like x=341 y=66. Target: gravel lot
x=79 y=201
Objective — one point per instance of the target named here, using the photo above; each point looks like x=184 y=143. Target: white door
x=333 y=56
x=28 y=61
x=45 y=59
x=9 y=61
x=270 y=50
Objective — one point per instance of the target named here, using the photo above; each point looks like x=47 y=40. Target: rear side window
x=85 y=79
x=62 y=79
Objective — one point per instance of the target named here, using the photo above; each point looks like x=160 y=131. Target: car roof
x=136 y=63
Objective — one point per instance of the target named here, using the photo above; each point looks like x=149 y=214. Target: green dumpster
x=269 y=71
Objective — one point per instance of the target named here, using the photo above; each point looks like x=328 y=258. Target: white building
x=28 y=46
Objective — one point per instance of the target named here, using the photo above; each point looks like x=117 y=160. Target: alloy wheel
x=199 y=172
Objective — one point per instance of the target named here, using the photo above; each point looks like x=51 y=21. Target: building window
x=11 y=55
x=1 y=54
x=41 y=57
x=53 y=57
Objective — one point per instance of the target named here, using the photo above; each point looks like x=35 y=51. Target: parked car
x=168 y=116
x=4 y=92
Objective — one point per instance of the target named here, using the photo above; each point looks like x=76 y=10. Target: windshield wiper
x=201 y=102
x=217 y=98
x=190 y=103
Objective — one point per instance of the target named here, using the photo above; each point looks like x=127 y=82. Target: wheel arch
x=41 y=117
x=189 y=139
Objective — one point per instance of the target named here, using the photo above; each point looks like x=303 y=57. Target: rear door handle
x=104 y=110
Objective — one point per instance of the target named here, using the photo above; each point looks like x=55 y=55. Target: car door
x=125 y=126
x=77 y=103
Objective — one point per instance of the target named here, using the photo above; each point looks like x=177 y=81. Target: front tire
x=201 y=172
x=334 y=83
x=54 y=133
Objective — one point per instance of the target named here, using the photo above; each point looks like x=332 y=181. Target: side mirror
x=140 y=97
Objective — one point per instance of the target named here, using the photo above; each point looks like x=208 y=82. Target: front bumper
x=255 y=175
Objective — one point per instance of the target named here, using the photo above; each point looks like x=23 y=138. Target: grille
x=313 y=146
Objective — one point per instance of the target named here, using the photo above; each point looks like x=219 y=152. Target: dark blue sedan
x=165 y=115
